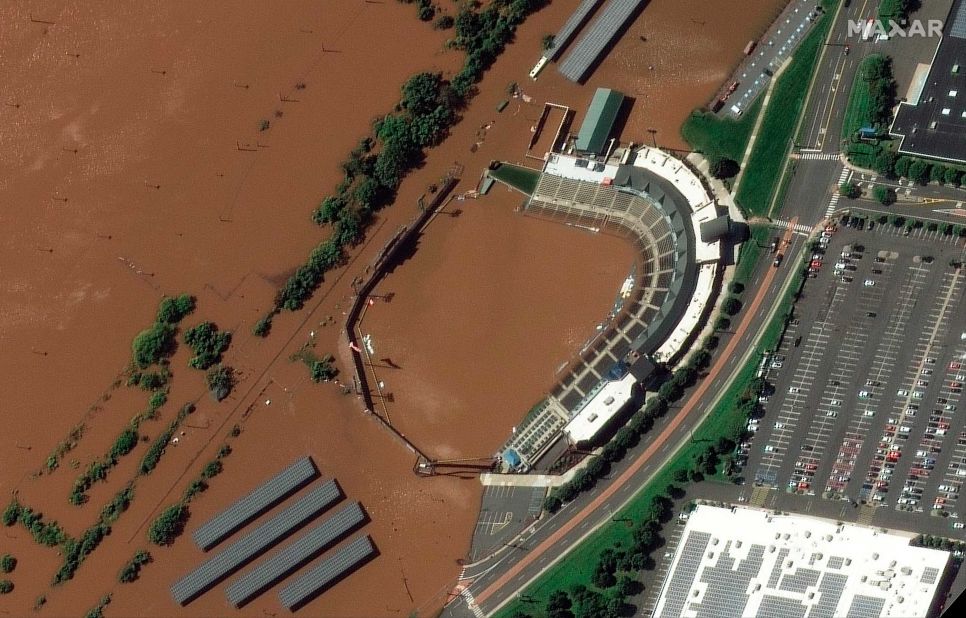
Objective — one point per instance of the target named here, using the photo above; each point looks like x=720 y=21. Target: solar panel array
x=726 y=584
x=684 y=573
x=564 y=35
x=800 y=581
x=829 y=594
x=306 y=547
x=327 y=571
x=242 y=551
x=597 y=37
x=929 y=575
x=866 y=607
x=772 y=606
x=263 y=497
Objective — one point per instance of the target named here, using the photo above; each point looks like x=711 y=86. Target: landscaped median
x=596 y=573
x=764 y=166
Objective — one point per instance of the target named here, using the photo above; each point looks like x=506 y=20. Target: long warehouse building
x=597 y=37
x=311 y=544
x=255 y=543
x=328 y=571
x=262 y=498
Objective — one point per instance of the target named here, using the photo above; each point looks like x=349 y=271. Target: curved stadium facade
x=657 y=202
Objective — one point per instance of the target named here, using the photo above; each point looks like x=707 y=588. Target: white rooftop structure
x=605 y=404
x=691 y=320
x=750 y=562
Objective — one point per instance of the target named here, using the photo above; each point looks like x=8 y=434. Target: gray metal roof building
x=566 y=33
x=935 y=125
x=598 y=35
x=306 y=547
x=599 y=120
x=328 y=571
x=255 y=543
x=262 y=498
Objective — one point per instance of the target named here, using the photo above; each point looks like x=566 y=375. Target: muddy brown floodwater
x=132 y=165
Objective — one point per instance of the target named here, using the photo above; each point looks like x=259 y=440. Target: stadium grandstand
x=660 y=204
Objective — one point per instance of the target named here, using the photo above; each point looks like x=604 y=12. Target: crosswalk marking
x=818 y=156
x=471 y=603
x=799 y=227
x=844 y=176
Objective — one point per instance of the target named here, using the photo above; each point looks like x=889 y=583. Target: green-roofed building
x=599 y=120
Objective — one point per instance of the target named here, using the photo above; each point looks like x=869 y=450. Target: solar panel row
x=263 y=497
x=564 y=35
x=596 y=38
x=306 y=547
x=256 y=542
x=326 y=572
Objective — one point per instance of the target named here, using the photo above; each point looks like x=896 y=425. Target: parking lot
x=867 y=383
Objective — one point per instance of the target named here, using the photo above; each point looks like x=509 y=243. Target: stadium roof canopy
x=935 y=126
x=599 y=120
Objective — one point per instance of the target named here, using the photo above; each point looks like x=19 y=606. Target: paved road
x=489 y=584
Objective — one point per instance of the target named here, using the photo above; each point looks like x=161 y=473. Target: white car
x=918 y=394
x=839 y=265
x=779 y=425
x=832 y=413
x=959 y=525
x=869 y=283
x=794 y=390
x=864 y=394
x=835 y=402
x=769 y=448
x=902 y=393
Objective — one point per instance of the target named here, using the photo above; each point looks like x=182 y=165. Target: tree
x=168 y=525
x=552 y=503
x=884 y=195
x=885 y=164
x=731 y=305
x=444 y=22
x=680 y=475
x=220 y=380
x=558 y=605
x=952 y=176
x=6 y=586
x=724 y=168
x=207 y=344
x=919 y=172
x=173 y=310
x=546 y=43
x=421 y=93
x=901 y=167
x=328 y=211
x=850 y=190
x=627 y=587
x=152 y=344
x=736 y=287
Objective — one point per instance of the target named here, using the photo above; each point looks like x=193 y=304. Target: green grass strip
x=720 y=137
x=523 y=179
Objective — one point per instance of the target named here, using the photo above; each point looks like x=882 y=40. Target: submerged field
x=160 y=149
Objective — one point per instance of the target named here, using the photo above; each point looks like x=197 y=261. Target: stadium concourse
x=662 y=206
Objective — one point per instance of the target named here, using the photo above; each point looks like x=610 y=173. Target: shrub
x=8 y=563
x=212 y=469
x=322 y=369
x=131 y=570
x=6 y=586
x=12 y=513
x=124 y=444
x=168 y=525
x=443 y=22
x=884 y=195
x=262 y=327
x=850 y=190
